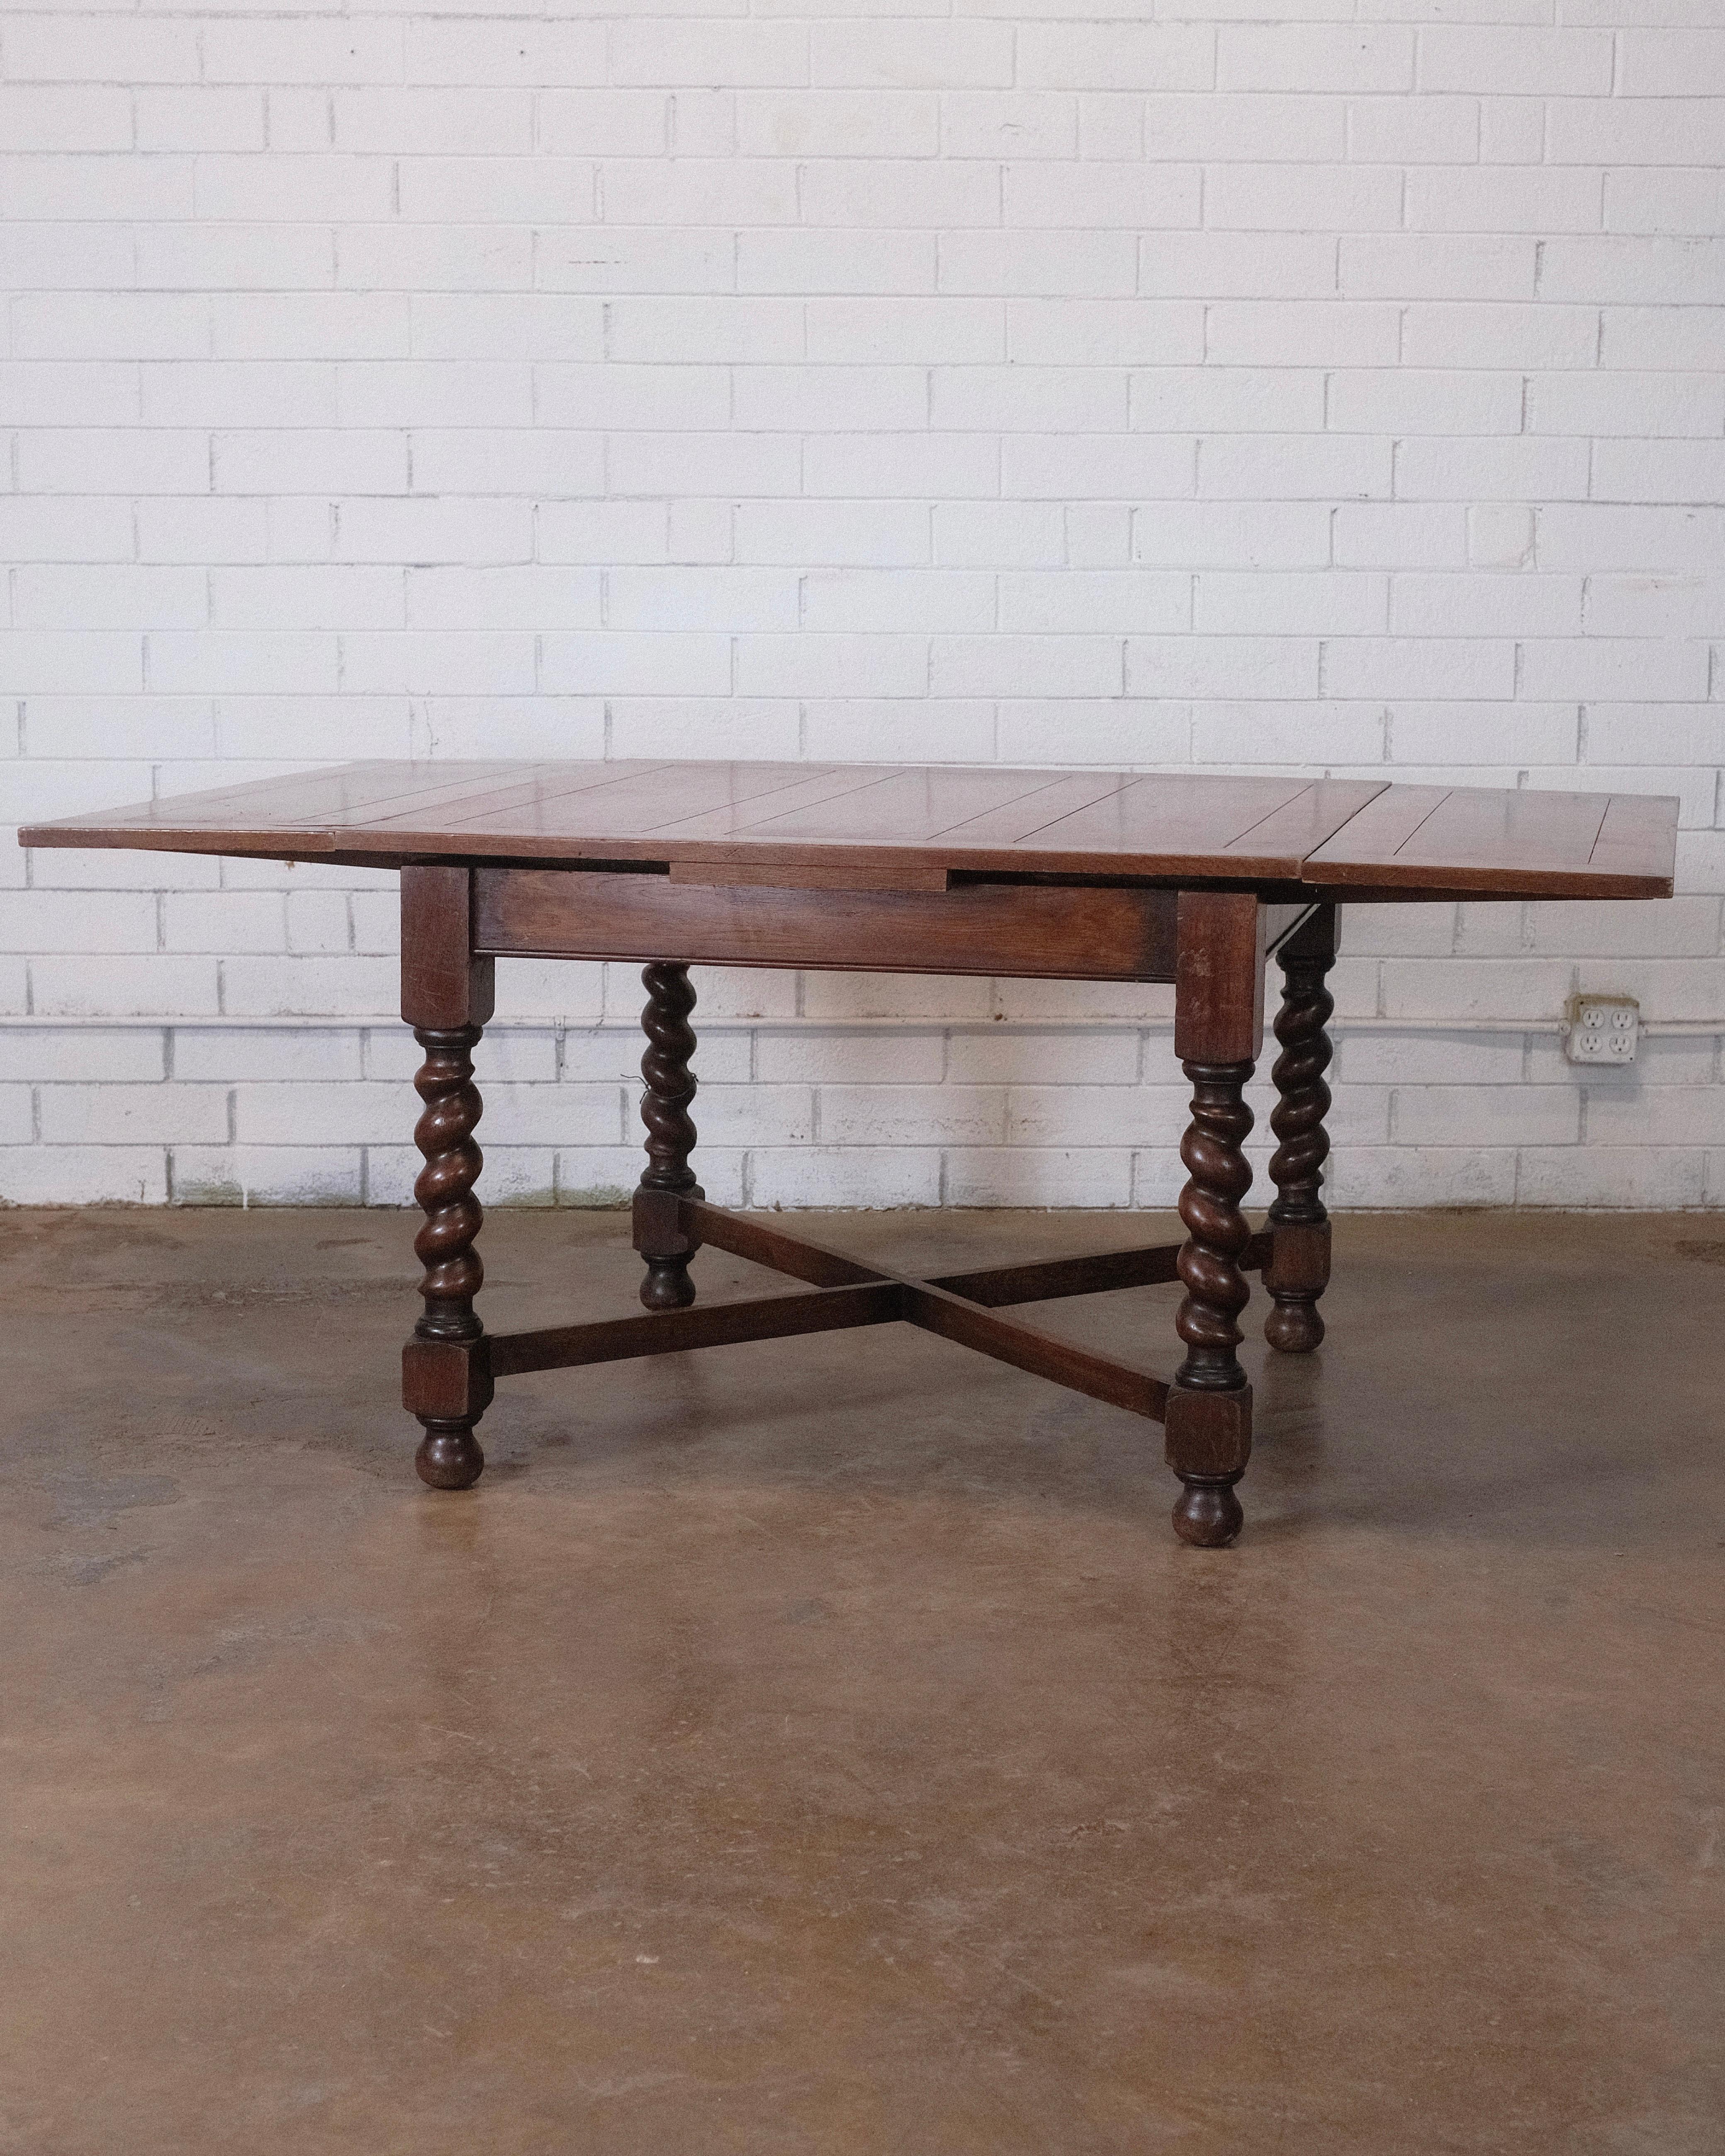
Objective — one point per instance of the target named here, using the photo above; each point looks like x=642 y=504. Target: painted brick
x=1079 y=468
x=1659 y=337
x=1074 y=599
x=1472 y=1114
x=1632 y=130
x=1302 y=333
x=1429 y=265
x=812 y=664
x=1656 y=606
x=1465 y=334
x=1299 y=56
x=133 y=1115
x=1407 y=402
x=1222 y=665
x=1321 y=198
x=824 y=123
x=73 y=984
x=195 y=119
x=1226 y=400
x=1094 y=198
x=1471 y=605
x=90 y=1054
x=302 y=51
x=1298 y=467
x=1094 y=1176
x=1274 y=391
x=1046 y=664
x=845 y=1175
x=1104 y=332
x=59 y=47
x=1027 y=124
x=1622 y=1175
x=1398 y=1176
x=1624 y=404
x=1294 y=130
x=1663 y=201
x=1427 y=130
x=931 y=56
x=536 y=54
x=1124 y=55
x=453 y=122
x=229 y=1056
x=1506 y=58
x=317 y=987
x=1672 y=63
x=1278 y=734
x=83 y=1175
x=1511 y=130
x=1336 y=602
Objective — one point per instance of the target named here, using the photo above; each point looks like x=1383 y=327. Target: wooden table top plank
x=628 y=821
x=1146 y=812
x=1339 y=836
x=727 y=810
x=1246 y=826
x=1533 y=843
x=1300 y=825
x=1636 y=826
x=918 y=807
x=556 y=800
x=348 y=796
x=1012 y=822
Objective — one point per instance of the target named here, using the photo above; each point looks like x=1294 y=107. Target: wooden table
x=1068 y=875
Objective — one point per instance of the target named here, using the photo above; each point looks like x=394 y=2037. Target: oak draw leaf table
x=1066 y=875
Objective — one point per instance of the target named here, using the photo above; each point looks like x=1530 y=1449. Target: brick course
x=1331 y=388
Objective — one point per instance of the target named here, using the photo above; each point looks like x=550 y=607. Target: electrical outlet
x=1601 y=1029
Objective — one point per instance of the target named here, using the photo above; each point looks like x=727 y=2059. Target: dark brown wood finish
x=1474 y=841
x=1178 y=828
x=1090 y=875
x=844 y=1291
x=1022 y=931
x=658 y=1230
x=936 y=1307
x=1299 y=1269
x=1218 y=1028
x=716 y=1325
x=447 y=996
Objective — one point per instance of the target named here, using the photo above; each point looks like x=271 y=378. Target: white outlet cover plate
x=1601 y=1029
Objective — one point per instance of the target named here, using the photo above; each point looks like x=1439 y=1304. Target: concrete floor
x=825 y=1746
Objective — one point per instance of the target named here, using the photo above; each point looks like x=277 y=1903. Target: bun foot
x=450 y=1457
x=1208 y=1515
x=667 y=1284
x=1294 y=1328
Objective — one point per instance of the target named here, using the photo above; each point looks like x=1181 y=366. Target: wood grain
x=1490 y=842
x=1019 y=931
x=808 y=823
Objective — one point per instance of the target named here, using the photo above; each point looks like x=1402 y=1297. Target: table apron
x=1053 y=931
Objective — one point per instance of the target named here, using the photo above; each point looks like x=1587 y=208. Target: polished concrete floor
x=825 y=1747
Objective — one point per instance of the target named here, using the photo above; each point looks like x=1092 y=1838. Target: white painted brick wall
x=1333 y=387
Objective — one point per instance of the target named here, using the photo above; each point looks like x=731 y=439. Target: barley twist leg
x=671 y=1136
x=1209 y=1397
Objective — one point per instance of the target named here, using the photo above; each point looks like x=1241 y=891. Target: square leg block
x=1207 y=1433
x=1299 y=1259
x=446 y=1380
x=658 y=1233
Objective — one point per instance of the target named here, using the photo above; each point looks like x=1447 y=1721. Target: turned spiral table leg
x=450 y=1457
x=670 y=1137
x=1299 y=1268
x=1210 y=1402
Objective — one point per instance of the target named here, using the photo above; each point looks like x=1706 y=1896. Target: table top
x=1345 y=837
